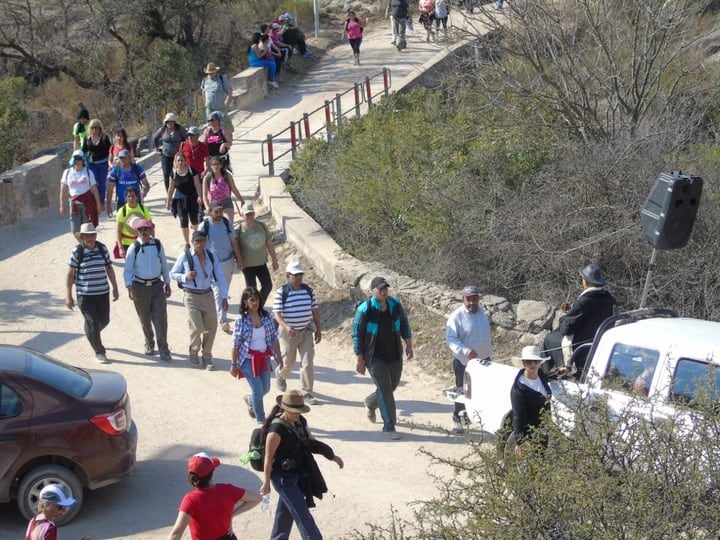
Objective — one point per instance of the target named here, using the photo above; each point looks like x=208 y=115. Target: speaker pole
x=648 y=279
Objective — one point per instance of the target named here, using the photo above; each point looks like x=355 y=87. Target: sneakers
x=165 y=355
x=209 y=366
x=310 y=399
x=457 y=428
x=149 y=349
x=251 y=411
x=194 y=360
x=281 y=384
x=372 y=415
x=273 y=84
x=100 y=357
x=225 y=326
x=393 y=435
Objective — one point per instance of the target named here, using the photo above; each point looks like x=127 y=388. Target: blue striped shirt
x=297 y=309
x=91 y=275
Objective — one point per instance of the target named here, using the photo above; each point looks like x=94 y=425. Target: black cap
x=199 y=235
x=379 y=283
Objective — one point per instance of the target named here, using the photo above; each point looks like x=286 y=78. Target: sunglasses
x=197 y=240
x=532 y=361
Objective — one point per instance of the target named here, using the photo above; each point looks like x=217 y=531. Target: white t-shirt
x=78 y=182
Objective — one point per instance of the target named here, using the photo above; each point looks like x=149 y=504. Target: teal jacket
x=365 y=327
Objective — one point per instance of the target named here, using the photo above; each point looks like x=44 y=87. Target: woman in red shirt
x=209 y=508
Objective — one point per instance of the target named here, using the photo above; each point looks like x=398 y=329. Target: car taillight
x=467 y=385
x=113 y=423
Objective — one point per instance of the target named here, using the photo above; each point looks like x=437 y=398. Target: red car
x=60 y=425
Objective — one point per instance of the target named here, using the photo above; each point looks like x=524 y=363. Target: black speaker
x=668 y=214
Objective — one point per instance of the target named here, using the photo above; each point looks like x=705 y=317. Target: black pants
x=254 y=273
x=459 y=370
x=166 y=162
x=96 y=312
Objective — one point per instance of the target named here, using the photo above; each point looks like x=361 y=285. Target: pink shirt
x=354 y=29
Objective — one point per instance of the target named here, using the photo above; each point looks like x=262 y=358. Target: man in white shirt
x=467 y=333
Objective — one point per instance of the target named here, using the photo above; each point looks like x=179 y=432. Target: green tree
x=13 y=119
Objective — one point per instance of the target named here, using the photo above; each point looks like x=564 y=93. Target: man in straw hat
x=217 y=92
x=581 y=321
x=90 y=269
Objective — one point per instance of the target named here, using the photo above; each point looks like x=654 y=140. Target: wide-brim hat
x=211 y=68
x=292 y=401
x=87 y=228
x=593 y=275
x=143 y=224
x=532 y=352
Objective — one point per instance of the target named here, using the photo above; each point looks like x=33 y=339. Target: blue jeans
x=259 y=386
x=291 y=506
x=270 y=65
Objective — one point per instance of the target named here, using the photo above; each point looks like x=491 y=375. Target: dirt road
x=180 y=411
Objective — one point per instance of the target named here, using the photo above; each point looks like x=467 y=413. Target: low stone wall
x=249 y=87
x=30 y=188
x=515 y=325
x=35 y=186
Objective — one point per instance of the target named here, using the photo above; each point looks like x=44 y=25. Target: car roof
x=696 y=338
x=13 y=358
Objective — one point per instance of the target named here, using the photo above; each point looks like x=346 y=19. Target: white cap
x=294 y=268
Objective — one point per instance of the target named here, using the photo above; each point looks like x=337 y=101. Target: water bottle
x=265 y=505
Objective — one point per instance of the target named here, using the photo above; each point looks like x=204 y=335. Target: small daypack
x=256 y=448
x=205 y=227
x=191 y=265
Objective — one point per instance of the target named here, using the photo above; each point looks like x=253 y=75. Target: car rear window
x=67 y=378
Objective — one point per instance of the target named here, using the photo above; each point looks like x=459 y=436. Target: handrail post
x=356 y=92
x=328 y=121
x=306 y=124
x=386 y=80
x=338 y=110
x=368 y=92
x=293 y=140
x=271 y=159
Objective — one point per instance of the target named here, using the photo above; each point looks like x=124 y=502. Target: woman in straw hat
x=290 y=466
x=530 y=395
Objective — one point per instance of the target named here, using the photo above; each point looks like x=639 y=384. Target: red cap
x=202 y=465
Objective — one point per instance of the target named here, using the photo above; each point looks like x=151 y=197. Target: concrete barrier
x=30 y=188
x=249 y=87
x=35 y=186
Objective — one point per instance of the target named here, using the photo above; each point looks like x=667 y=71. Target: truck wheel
x=502 y=436
x=36 y=479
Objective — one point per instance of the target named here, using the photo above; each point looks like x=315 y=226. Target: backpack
x=206 y=225
x=256 y=448
x=287 y=288
x=191 y=265
x=79 y=252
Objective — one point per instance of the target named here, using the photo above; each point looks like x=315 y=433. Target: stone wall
x=516 y=325
x=35 y=186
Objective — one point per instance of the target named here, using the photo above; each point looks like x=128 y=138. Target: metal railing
x=326 y=119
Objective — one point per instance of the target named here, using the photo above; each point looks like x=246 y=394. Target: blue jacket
x=365 y=327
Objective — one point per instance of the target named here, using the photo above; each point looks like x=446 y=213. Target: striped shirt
x=91 y=274
x=297 y=309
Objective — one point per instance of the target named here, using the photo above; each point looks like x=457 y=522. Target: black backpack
x=191 y=265
x=257 y=444
x=79 y=252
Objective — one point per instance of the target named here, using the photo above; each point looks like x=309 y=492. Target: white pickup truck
x=648 y=359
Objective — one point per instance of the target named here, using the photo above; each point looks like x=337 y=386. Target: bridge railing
x=326 y=119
